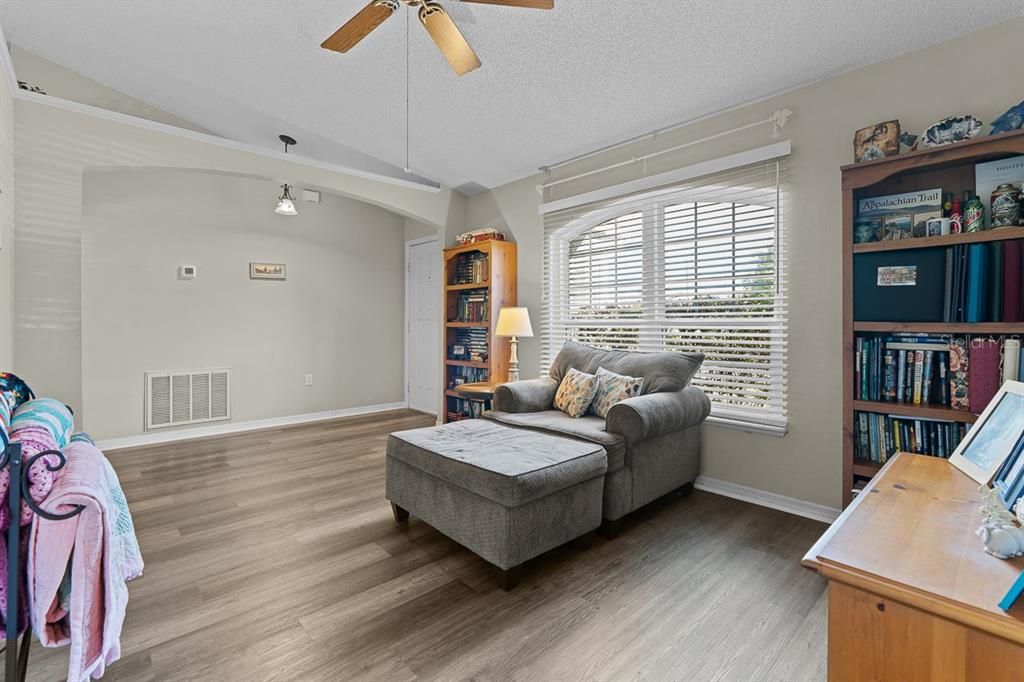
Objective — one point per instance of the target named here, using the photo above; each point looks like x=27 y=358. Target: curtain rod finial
x=778 y=120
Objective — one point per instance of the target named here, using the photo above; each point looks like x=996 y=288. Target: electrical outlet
x=309 y=379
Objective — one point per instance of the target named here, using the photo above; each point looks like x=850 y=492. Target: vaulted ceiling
x=553 y=83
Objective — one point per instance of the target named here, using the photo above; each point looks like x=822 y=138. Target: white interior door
x=423 y=332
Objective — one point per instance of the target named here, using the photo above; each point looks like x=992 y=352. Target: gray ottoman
x=506 y=494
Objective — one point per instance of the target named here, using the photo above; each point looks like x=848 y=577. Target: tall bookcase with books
x=932 y=319
x=480 y=280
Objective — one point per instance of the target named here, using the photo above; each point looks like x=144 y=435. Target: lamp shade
x=285 y=207
x=286 y=202
x=514 y=322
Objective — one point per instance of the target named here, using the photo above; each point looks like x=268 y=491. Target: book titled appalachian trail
x=902 y=216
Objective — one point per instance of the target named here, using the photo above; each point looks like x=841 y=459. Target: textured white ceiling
x=553 y=84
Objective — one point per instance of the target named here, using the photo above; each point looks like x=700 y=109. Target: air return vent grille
x=187 y=397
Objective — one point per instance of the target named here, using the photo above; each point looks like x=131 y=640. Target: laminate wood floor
x=272 y=555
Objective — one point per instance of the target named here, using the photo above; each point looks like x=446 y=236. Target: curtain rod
x=777 y=120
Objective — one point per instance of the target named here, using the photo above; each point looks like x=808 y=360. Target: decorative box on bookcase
x=951 y=168
x=480 y=280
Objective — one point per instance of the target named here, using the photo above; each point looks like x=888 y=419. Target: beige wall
x=6 y=224
x=414 y=229
x=56 y=147
x=58 y=81
x=974 y=74
x=337 y=316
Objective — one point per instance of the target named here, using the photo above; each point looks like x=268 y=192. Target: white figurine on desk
x=999 y=531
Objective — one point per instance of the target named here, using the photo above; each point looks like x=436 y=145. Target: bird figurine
x=1013 y=119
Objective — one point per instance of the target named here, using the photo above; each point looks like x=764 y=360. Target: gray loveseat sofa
x=652 y=440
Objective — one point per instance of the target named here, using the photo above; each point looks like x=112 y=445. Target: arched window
x=698 y=268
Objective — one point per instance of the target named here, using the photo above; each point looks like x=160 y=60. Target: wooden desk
x=912 y=594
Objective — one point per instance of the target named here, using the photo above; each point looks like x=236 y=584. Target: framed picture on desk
x=993 y=446
x=1009 y=479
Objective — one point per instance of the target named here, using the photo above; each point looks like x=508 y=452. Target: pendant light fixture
x=286 y=202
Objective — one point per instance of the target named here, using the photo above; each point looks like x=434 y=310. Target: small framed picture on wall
x=268 y=271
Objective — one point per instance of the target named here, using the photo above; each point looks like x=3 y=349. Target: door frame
x=418 y=241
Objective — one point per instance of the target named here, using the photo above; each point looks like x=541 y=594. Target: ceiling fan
x=435 y=19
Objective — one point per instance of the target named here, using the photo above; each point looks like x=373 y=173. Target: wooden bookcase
x=950 y=167
x=495 y=282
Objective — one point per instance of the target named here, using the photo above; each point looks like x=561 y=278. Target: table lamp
x=514 y=322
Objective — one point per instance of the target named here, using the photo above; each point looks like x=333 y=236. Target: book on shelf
x=472 y=307
x=471 y=268
x=460 y=408
x=880 y=436
x=466 y=375
x=984 y=282
x=939 y=370
x=980 y=282
x=984 y=376
x=897 y=216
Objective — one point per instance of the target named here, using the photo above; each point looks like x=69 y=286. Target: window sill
x=749 y=427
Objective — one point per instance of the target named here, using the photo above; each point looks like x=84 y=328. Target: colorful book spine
x=918 y=375
x=857 y=392
x=890 y=376
x=983 y=377
x=977 y=281
x=1013 y=288
x=959 y=398
x=943 y=378
x=1011 y=359
x=926 y=390
x=901 y=374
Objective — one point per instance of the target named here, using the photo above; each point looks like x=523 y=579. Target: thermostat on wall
x=187 y=272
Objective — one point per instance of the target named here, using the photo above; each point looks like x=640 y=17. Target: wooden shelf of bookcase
x=941 y=327
x=467 y=363
x=968 y=152
x=472 y=285
x=918 y=411
x=994 y=235
x=865 y=468
x=500 y=286
x=951 y=168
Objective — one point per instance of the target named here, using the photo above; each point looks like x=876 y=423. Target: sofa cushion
x=588 y=428
x=508 y=466
x=613 y=388
x=576 y=392
x=661 y=372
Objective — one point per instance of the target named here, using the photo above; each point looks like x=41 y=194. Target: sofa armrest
x=656 y=414
x=530 y=395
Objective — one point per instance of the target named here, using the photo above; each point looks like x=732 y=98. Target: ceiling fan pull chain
x=408 y=168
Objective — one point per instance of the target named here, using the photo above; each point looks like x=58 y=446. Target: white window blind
x=695 y=267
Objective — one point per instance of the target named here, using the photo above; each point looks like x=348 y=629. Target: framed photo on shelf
x=993 y=445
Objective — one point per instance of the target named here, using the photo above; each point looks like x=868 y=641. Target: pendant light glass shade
x=286 y=202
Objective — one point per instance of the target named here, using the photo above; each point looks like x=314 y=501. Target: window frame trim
x=773 y=424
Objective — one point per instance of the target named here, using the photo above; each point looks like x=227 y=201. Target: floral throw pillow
x=576 y=392
x=613 y=388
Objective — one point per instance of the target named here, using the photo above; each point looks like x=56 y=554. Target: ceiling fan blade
x=529 y=4
x=359 y=26
x=449 y=38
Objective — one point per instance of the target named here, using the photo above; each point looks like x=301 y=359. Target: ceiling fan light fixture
x=286 y=202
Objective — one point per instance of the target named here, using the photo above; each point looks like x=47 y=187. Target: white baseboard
x=810 y=510
x=239 y=427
